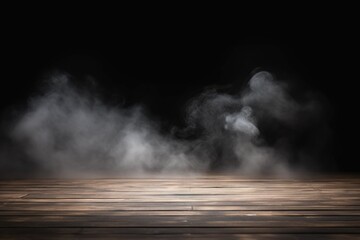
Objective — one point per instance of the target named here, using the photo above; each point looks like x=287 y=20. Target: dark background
x=163 y=63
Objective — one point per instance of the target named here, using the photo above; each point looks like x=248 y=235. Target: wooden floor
x=207 y=207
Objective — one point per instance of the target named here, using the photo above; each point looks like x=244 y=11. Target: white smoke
x=260 y=129
x=242 y=122
x=69 y=132
x=66 y=132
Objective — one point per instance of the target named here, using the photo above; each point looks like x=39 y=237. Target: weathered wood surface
x=207 y=207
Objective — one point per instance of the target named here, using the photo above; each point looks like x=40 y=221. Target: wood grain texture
x=204 y=207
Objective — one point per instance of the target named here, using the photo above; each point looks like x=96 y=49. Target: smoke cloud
x=262 y=129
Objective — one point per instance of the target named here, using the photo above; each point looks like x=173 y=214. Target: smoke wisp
x=262 y=129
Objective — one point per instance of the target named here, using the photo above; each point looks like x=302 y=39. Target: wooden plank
x=180 y=221
x=195 y=207
x=327 y=212
x=180 y=230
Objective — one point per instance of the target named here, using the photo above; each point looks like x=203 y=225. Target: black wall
x=163 y=64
